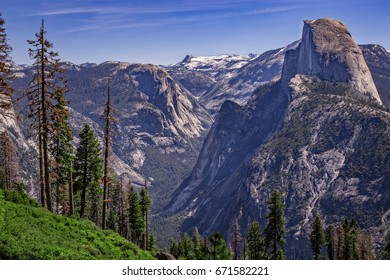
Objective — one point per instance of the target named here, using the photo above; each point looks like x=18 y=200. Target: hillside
x=28 y=231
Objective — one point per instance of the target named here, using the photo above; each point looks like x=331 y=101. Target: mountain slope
x=324 y=143
x=378 y=61
x=28 y=231
x=159 y=126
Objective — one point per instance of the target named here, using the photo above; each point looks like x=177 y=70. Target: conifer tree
x=256 y=246
x=152 y=243
x=144 y=206
x=186 y=247
x=135 y=217
x=62 y=152
x=197 y=243
x=41 y=95
x=5 y=61
x=112 y=220
x=330 y=242
x=9 y=165
x=317 y=237
x=121 y=209
x=365 y=247
x=275 y=230
x=245 y=250
x=219 y=249
x=236 y=239
x=340 y=242
x=107 y=153
x=174 y=249
x=88 y=172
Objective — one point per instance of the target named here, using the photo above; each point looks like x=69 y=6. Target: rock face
x=159 y=124
x=378 y=61
x=328 y=51
x=310 y=136
x=25 y=150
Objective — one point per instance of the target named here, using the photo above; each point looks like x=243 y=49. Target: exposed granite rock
x=328 y=51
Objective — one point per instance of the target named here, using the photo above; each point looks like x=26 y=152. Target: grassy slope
x=28 y=231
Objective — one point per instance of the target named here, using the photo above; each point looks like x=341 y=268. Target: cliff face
x=328 y=51
x=319 y=136
x=25 y=150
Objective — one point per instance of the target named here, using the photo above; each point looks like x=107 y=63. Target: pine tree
x=174 y=249
x=144 y=206
x=41 y=95
x=5 y=61
x=317 y=237
x=340 y=242
x=236 y=239
x=63 y=154
x=219 y=249
x=256 y=246
x=275 y=230
x=185 y=247
x=135 y=217
x=152 y=243
x=365 y=247
x=197 y=243
x=330 y=242
x=121 y=210
x=107 y=153
x=88 y=173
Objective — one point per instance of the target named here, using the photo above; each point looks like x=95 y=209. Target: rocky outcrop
x=328 y=51
x=25 y=150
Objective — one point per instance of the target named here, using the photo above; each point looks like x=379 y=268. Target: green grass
x=28 y=231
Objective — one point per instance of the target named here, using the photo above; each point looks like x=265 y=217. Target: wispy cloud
x=120 y=15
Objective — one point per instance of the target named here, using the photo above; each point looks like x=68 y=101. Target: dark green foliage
x=152 y=243
x=330 y=242
x=136 y=225
x=185 y=247
x=62 y=151
x=32 y=232
x=174 y=249
x=317 y=237
x=218 y=248
x=255 y=242
x=112 y=220
x=144 y=207
x=197 y=244
x=275 y=230
x=88 y=174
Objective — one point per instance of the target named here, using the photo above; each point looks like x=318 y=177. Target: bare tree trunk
x=71 y=203
x=45 y=132
x=106 y=153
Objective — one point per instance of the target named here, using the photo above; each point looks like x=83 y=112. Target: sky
x=164 y=32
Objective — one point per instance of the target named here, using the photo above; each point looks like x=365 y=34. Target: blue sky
x=163 y=32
